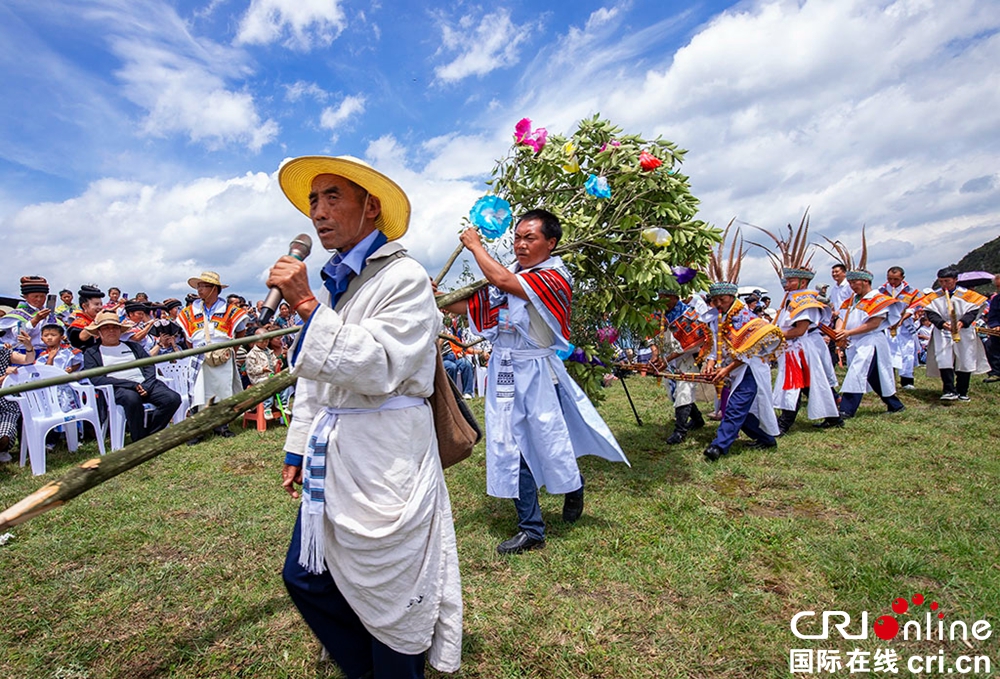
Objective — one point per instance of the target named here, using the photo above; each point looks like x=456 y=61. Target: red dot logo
x=934 y=605
x=886 y=627
x=900 y=606
x=918 y=599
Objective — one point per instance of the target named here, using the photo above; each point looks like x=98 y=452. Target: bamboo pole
x=98 y=470
x=151 y=360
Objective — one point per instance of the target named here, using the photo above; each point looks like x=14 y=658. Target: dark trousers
x=954 y=382
x=849 y=403
x=993 y=354
x=337 y=626
x=160 y=396
x=738 y=416
x=529 y=512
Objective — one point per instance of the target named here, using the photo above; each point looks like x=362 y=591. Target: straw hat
x=296 y=177
x=104 y=318
x=209 y=277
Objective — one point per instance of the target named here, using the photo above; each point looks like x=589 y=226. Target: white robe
x=967 y=355
x=390 y=538
x=861 y=349
x=821 y=403
x=529 y=419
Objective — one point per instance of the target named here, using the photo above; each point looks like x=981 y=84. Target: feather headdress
x=792 y=257
x=725 y=273
x=855 y=270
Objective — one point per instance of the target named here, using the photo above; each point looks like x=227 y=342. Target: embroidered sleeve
x=554 y=293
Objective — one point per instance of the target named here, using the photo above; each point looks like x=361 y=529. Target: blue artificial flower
x=491 y=215
x=564 y=354
x=598 y=186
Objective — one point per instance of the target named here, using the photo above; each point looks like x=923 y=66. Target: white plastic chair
x=177 y=376
x=114 y=426
x=41 y=413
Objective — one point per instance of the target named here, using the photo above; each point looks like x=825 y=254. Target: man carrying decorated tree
x=538 y=421
x=903 y=335
x=861 y=324
x=805 y=366
x=743 y=347
x=694 y=340
x=955 y=352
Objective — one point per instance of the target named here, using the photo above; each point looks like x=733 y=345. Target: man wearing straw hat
x=134 y=387
x=206 y=320
x=373 y=563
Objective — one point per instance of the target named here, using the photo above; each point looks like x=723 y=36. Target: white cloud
x=299 y=24
x=301 y=88
x=482 y=47
x=334 y=119
x=182 y=81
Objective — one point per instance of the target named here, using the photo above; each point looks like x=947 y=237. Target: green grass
x=678 y=567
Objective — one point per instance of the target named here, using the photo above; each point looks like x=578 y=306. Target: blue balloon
x=491 y=215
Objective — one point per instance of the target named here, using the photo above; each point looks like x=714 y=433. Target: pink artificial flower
x=524 y=135
x=649 y=162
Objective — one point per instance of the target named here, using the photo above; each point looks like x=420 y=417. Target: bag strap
x=370 y=271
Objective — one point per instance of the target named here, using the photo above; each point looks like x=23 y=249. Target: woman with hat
x=207 y=320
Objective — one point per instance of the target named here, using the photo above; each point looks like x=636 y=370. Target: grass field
x=679 y=567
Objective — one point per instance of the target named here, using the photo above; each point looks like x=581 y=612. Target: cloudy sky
x=140 y=139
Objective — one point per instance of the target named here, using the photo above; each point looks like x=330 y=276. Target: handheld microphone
x=299 y=248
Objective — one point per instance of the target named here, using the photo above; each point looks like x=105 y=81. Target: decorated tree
x=629 y=226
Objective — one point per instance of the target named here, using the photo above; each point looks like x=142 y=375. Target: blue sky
x=139 y=140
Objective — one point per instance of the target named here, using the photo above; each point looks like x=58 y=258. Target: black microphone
x=299 y=249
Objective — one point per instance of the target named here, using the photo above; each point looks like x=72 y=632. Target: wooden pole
x=98 y=470
x=447 y=265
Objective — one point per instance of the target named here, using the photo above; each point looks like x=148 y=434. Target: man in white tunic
x=373 y=562
x=955 y=351
x=903 y=335
x=805 y=367
x=207 y=320
x=538 y=420
x=863 y=319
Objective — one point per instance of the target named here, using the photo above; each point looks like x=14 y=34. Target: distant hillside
x=984 y=258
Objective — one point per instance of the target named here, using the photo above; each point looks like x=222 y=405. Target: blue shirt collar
x=337 y=272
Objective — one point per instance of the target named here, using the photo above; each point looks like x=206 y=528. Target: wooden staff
x=989 y=332
x=98 y=470
x=678 y=377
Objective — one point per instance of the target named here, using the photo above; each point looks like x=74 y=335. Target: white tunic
x=524 y=415
x=966 y=355
x=861 y=349
x=390 y=538
x=812 y=351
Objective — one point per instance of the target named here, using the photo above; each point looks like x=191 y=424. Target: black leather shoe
x=675 y=438
x=902 y=408
x=573 y=506
x=757 y=445
x=519 y=543
x=195 y=441
x=713 y=453
x=830 y=423
x=224 y=432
